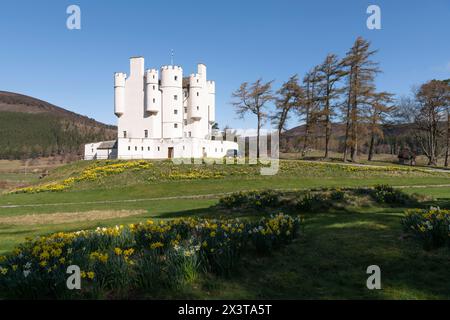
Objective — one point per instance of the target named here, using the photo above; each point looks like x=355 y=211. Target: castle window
x=197 y=80
x=154 y=100
x=129 y=148
x=198 y=94
x=183 y=148
x=135 y=148
x=158 y=148
x=142 y=148
x=189 y=134
x=185 y=93
x=185 y=109
x=175 y=111
x=175 y=125
x=148 y=148
x=185 y=122
x=92 y=150
x=124 y=134
x=198 y=108
x=146 y=133
x=175 y=97
x=176 y=78
x=153 y=86
x=153 y=78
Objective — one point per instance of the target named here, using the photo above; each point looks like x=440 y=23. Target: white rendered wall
x=92 y=153
x=182 y=148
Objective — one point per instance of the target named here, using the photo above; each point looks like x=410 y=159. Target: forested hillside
x=393 y=138
x=32 y=128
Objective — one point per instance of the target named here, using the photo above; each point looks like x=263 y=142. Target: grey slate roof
x=108 y=145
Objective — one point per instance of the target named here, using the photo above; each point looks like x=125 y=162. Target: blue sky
x=237 y=40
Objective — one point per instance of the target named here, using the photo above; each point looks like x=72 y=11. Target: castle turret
x=152 y=93
x=211 y=86
x=195 y=97
x=119 y=93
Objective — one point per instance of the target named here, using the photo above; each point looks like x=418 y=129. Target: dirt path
x=68 y=217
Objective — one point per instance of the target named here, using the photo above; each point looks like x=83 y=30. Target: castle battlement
x=171 y=67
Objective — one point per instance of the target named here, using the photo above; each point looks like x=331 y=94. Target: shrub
x=313 y=202
x=251 y=199
x=389 y=195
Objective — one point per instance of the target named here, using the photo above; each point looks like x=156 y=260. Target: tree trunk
x=372 y=141
x=305 y=142
x=354 y=119
x=327 y=122
x=257 y=137
x=327 y=135
x=448 y=138
x=347 y=125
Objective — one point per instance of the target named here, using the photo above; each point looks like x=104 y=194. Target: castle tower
x=172 y=101
x=198 y=103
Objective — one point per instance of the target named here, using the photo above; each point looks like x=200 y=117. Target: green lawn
x=134 y=190
x=327 y=262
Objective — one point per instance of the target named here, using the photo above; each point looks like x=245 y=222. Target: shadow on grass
x=329 y=262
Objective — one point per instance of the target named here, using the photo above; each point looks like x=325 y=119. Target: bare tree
x=360 y=73
x=330 y=72
x=447 y=109
x=309 y=107
x=432 y=98
x=253 y=98
x=289 y=98
x=380 y=109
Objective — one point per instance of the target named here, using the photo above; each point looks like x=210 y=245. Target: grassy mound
x=112 y=173
x=318 y=200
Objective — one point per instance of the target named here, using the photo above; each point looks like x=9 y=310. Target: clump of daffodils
x=431 y=227
x=138 y=255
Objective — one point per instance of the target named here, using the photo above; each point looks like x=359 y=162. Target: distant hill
x=31 y=128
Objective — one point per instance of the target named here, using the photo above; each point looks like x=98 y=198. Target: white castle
x=162 y=115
